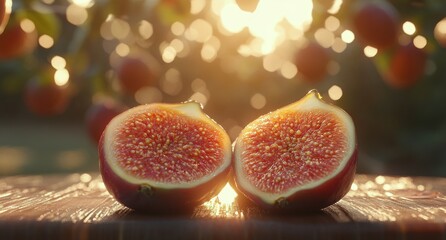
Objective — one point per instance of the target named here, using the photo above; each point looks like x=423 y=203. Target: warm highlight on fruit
x=5 y=12
x=164 y=157
x=302 y=156
x=15 y=42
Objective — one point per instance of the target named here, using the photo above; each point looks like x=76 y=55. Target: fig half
x=164 y=157
x=302 y=156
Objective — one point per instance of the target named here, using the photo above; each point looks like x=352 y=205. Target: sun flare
x=270 y=23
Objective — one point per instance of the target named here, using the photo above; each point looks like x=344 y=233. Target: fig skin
x=158 y=200
x=309 y=199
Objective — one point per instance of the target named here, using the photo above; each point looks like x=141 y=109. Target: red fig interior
x=297 y=147
x=172 y=147
x=294 y=145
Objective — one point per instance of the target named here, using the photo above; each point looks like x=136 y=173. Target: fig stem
x=147 y=190
x=315 y=93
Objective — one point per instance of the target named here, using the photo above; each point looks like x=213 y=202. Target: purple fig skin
x=313 y=199
x=158 y=200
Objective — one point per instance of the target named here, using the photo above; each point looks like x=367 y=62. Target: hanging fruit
x=312 y=61
x=15 y=42
x=44 y=97
x=376 y=24
x=133 y=74
x=406 y=66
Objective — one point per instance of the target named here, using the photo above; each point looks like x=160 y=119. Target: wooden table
x=77 y=206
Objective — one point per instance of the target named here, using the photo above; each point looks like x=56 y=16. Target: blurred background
x=68 y=66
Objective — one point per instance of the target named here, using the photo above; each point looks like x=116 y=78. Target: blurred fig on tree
x=44 y=97
x=133 y=74
x=406 y=66
x=312 y=61
x=99 y=115
x=376 y=24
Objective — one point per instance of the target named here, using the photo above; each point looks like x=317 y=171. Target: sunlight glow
x=269 y=22
x=227 y=195
x=196 y=6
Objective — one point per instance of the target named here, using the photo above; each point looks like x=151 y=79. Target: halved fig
x=301 y=157
x=164 y=157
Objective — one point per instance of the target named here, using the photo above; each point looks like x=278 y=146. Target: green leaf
x=44 y=19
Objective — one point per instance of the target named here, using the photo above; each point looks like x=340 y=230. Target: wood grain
x=77 y=206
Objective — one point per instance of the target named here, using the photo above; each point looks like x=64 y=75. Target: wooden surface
x=77 y=206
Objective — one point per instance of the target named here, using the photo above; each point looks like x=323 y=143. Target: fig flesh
x=164 y=157
x=301 y=157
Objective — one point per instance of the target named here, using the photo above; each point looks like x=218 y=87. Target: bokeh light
x=146 y=95
x=177 y=28
x=61 y=77
x=420 y=42
x=83 y=3
x=172 y=84
x=46 y=41
x=347 y=36
x=370 y=51
x=27 y=25
x=324 y=37
x=145 y=29
x=335 y=92
x=266 y=21
x=332 y=23
x=440 y=32
x=258 y=101
x=76 y=15
x=58 y=62
x=122 y=49
x=409 y=28
x=120 y=29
